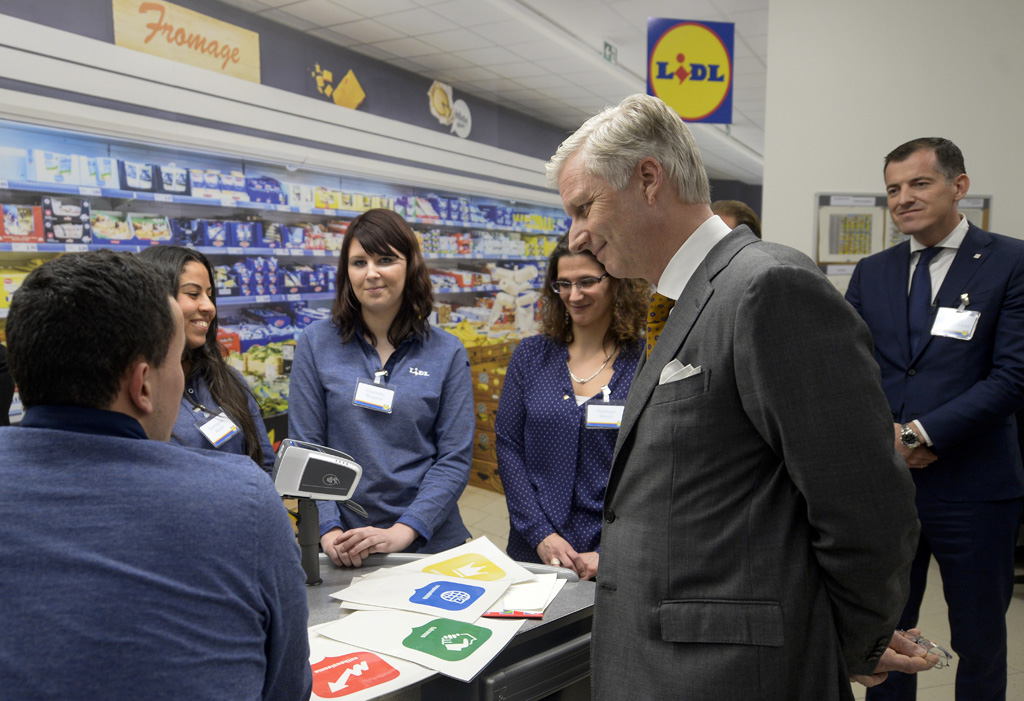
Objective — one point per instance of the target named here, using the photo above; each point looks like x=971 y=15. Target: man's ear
x=139 y=391
x=963 y=184
x=651 y=176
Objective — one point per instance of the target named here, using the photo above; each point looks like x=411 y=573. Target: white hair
x=612 y=142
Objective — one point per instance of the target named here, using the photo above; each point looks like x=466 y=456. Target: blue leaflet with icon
x=449 y=596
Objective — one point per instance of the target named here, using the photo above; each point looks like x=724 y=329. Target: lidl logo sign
x=690 y=67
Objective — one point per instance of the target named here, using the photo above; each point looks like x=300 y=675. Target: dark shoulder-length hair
x=382 y=232
x=230 y=393
x=629 y=303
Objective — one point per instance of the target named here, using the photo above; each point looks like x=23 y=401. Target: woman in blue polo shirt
x=555 y=428
x=218 y=410
x=376 y=382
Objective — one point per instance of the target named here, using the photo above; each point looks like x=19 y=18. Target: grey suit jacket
x=759 y=526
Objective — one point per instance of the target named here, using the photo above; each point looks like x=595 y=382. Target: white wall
x=848 y=81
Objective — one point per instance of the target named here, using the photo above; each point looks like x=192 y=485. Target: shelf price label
x=293 y=297
x=3 y=185
x=163 y=198
x=227 y=202
x=236 y=250
x=305 y=210
x=76 y=247
x=24 y=247
x=282 y=208
x=318 y=252
x=262 y=298
x=90 y=191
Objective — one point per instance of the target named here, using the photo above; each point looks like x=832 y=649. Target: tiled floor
x=484 y=512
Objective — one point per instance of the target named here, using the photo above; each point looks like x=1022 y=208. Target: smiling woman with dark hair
x=377 y=382
x=212 y=388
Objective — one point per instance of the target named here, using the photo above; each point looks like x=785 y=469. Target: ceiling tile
x=406 y=47
x=276 y=3
x=487 y=56
x=469 y=13
x=541 y=50
x=508 y=31
x=333 y=36
x=417 y=21
x=551 y=80
x=455 y=40
x=497 y=85
x=440 y=62
x=471 y=73
x=374 y=8
x=368 y=31
x=321 y=13
x=521 y=69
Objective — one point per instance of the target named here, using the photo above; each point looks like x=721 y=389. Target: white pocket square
x=675 y=371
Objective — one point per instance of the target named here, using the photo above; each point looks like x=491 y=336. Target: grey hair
x=612 y=142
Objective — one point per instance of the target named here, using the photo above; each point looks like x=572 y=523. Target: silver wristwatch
x=908 y=437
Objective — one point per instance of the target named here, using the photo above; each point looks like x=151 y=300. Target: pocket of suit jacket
x=722 y=621
x=691 y=386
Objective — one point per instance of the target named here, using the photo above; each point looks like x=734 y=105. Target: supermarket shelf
x=231 y=203
x=223 y=301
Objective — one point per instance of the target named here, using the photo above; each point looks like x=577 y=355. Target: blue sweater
x=132 y=567
x=416 y=459
x=554 y=469
x=186 y=432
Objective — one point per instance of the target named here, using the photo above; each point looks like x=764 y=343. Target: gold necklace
x=583 y=382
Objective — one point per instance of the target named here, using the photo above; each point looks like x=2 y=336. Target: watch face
x=910 y=439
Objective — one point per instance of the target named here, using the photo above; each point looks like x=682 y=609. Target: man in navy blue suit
x=946 y=310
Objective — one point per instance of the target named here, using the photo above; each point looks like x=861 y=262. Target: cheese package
x=50 y=167
x=111 y=228
x=21 y=224
x=150 y=228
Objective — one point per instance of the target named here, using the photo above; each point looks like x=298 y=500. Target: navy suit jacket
x=964 y=393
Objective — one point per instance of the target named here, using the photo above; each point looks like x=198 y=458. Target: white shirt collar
x=953 y=240
x=690 y=255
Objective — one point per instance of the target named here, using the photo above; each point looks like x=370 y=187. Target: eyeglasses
x=560 y=287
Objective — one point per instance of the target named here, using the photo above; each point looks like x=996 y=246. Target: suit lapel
x=969 y=257
x=684 y=315
x=898 y=284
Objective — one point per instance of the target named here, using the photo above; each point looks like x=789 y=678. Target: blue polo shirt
x=416 y=459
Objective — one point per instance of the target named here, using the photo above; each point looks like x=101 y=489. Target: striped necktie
x=657 y=315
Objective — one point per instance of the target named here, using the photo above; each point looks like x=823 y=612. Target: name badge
x=955 y=323
x=217 y=429
x=374 y=396
x=600 y=415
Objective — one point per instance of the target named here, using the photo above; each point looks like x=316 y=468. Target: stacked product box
x=66 y=220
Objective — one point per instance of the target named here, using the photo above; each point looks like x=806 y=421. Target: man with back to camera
x=758 y=528
x=946 y=310
x=132 y=568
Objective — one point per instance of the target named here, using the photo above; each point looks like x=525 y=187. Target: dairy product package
x=51 y=167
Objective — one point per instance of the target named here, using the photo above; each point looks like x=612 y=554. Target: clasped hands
x=349 y=548
x=919 y=457
x=902 y=655
x=555 y=550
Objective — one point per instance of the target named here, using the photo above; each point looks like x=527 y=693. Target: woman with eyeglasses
x=556 y=425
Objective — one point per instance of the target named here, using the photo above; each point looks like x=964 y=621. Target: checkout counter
x=548 y=658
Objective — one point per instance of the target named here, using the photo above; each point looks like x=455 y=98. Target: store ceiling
x=544 y=57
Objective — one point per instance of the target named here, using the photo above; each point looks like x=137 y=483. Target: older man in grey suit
x=758 y=526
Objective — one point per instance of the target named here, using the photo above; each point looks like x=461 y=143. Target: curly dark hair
x=629 y=306
x=383 y=232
